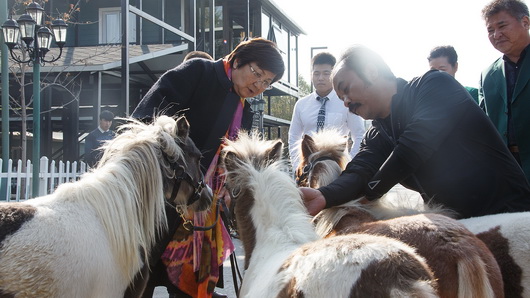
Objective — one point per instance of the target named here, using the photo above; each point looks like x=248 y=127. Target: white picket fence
x=18 y=184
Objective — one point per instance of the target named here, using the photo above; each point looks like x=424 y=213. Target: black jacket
x=438 y=142
x=93 y=142
x=201 y=90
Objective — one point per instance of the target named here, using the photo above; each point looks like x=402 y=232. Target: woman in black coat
x=211 y=94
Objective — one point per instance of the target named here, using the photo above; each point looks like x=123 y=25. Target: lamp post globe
x=11 y=32
x=59 y=32
x=27 y=28
x=35 y=11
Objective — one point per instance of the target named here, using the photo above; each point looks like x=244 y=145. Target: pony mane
x=329 y=142
x=277 y=200
x=381 y=209
x=252 y=150
x=126 y=190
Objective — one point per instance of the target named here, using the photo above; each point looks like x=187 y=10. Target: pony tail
x=473 y=279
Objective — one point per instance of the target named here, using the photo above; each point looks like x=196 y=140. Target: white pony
x=508 y=237
x=284 y=257
x=91 y=237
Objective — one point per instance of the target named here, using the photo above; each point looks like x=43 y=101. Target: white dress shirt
x=304 y=121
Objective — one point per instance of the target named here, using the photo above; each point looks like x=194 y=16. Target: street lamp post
x=37 y=40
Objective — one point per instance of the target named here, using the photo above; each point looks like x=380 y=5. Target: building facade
x=111 y=61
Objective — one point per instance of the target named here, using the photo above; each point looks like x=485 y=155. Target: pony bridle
x=309 y=167
x=180 y=174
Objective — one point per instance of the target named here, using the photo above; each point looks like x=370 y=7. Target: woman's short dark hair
x=357 y=57
x=515 y=8
x=262 y=51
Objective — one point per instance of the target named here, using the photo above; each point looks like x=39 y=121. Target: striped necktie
x=321 y=118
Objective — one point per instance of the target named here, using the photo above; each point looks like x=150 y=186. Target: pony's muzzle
x=205 y=199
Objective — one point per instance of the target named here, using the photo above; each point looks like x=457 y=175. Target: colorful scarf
x=193 y=258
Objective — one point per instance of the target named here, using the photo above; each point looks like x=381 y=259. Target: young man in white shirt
x=336 y=115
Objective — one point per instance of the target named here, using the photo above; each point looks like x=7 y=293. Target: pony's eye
x=180 y=170
x=307 y=168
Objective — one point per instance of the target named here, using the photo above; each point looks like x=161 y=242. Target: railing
x=16 y=184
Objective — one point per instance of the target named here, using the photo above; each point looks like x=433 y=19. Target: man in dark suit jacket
x=97 y=137
x=504 y=91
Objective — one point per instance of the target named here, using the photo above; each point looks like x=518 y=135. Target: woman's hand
x=314 y=201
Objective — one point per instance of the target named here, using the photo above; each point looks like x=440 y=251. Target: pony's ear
x=344 y=144
x=183 y=127
x=276 y=151
x=308 y=146
x=229 y=160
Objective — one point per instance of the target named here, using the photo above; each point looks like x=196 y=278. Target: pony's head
x=247 y=155
x=187 y=179
x=323 y=157
x=245 y=161
x=167 y=140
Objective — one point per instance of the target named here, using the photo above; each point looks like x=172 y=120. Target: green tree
x=304 y=88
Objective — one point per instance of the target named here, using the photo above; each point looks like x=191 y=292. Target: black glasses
x=264 y=84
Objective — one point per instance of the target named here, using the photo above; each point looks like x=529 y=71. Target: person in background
x=97 y=137
x=426 y=134
x=211 y=94
x=504 y=90
x=444 y=58
x=324 y=103
x=197 y=54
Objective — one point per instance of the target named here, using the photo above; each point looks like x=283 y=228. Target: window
x=265 y=25
x=110 y=26
x=293 y=55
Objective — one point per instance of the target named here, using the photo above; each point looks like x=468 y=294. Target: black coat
x=437 y=141
x=93 y=142
x=200 y=90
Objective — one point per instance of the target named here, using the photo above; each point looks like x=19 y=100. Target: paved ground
x=160 y=292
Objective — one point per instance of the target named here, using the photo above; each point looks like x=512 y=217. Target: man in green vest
x=504 y=91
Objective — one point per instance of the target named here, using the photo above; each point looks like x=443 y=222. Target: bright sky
x=401 y=31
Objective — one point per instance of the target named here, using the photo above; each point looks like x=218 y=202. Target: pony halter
x=180 y=174
x=309 y=167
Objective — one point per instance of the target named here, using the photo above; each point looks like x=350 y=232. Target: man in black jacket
x=428 y=135
x=97 y=137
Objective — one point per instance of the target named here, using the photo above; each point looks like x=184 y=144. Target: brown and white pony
x=91 y=237
x=462 y=264
x=284 y=257
x=508 y=237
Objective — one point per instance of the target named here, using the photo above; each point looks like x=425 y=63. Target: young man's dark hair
x=106 y=115
x=323 y=58
x=444 y=51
